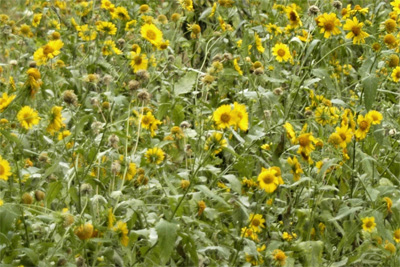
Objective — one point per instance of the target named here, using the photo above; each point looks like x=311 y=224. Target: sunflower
x=48 y=51
x=305 y=141
x=396 y=74
x=155 y=155
x=346 y=12
x=345 y=135
x=296 y=169
x=268 y=180
x=375 y=116
x=107 y=27
x=368 y=224
x=139 y=61
x=279 y=257
x=290 y=134
x=241 y=115
x=390 y=40
x=274 y=29
x=256 y=222
x=109 y=48
x=86 y=33
x=216 y=142
x=329 y=24
x=281 y=52
x=28 y=117
x=5 y=170
x=186 y=4
x=396 y=6
x=84 y=231
x=107 y=5
x=120 y=13
x=25 y=30
x=237 y=67
x=293 y=16
x=36 y=20
x=356 y=31
x=389 y=204
x=258 y=41
x=364 y=123
x=396 y=235
x=122 y=230
x=151 y=33
x=55 y=120
x=5 y=101
x=224 y=117
x=249 y=232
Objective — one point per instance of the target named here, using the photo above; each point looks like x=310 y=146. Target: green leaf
x=370 y=85
x=185 y=84
x=7 y=218
x=177 y=114
x=211 y=194
x=52 y=192
x=344 y=211
x=167 y=234
x=311 y=253
x=234 y=182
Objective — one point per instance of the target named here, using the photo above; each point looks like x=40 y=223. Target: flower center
x=343 y=136
x=329 y=26
x=47 y=49
x=151 y=35
x=2 y=170
x=268 y=179
x=304 y=141
x=369 y=224
x=225 y=118
x=397 y=234
x=363 y=125
x=293 y=16
x=281 y=52
x=256 y=222
x=356 y=30
x=138 y=60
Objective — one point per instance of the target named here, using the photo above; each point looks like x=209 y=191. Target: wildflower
x=122 y=230
x=154 y=155
x=186 y=4
x=279 y=257
x=84 y=231
x=120 y=13
x=274 y=29
x=389 y=204
x=281 y=52
x=224 y=117
x=202 y=206
x=390 y=25
x=390 y=40
x=1 y=202
x=131 y=172
x=149 y=122
x=25 y=30
x=396 y=6
x=185 y=184
x=258 y=41
x=306 y=141
x=241 y=116
x=290 y=134
x=294 y=18
x=375 y=116
x=107 y=27
x=129 y=26
x=195 y=29
x=249 y=232
x=368 y=224
x=5 y=170
x=151 y=33
x=175 y=17
x=268 y=180
x=296 y=169
x=107 y=5
x=87 y=33
x=5 y=101
x=55 y=120
x=288 y=237
x=139 y=61
x=364 y=123
x=216 y=142
x=329 y=24
x=213 y=9
x=48 y=51
x=356 y=31
x=390 y=247
x=396 y=74
x=28 y=117
x=256 y=222
x=36 y=20
x=163 y=45
x=396 y=235
x=109 y=48
x=63 y=135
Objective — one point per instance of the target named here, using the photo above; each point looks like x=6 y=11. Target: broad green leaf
x=370 y=85
x=311 y=253
x=211 y=194
x=234 y=182
x=185 y=84
x=7 y=218
x=344 y=211
x=52 y=192
x=177 y=114
x=167 y=234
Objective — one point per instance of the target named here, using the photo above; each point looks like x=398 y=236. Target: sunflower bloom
x=241 y=116
x=375 y=116
x=120 y=13
x=258 y=41
x=281 y=52
x=396 y=74
x=28 y=117
x=122 y=230
x=279 y=257
x=151 y=33
x=368 y=224
x=396 y=235
x=356 y=33
x=224 y=117
x=48 y=51
x=290 y=134
x=5 y=170
x=268 y=180
x=109 y=48
x=84 y=231
x=186 y=4
x=256 y=222
x=296 y=169
x=5 y=101
x=329 y=24
x=154 y=155
x=396 y=6
x=364 y=123
x=107 y=27
x=55 y=120
x=216 y=142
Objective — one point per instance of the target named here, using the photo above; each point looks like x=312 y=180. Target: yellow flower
x=256 y=222
x=290 y=134
x=87 y=33
x=396 y=235
x=5 y=170
x=216 y=142
x=249 y=232
x=5 y=101
x=268 y=180
x=139 y=61
x=151 y=33
x=329 y=24
x=131 y=172
x=390 y=40
x=107 y=27
x=305 y=141
x=368 y=224
x=274 y=29
x=345 y=135
x=279 y=257
x=55 y=120
x=109 y=48
x=186 y=4
x=202 y=206
x=258 y=41
x=107 y=5
x=241 y=116
x=396 y=74
x=224 y=117
x=356 y=31
x=48 y=51
x=149 y=122
x=213 y=9
x=36 y=20
x=296 y=168
x=130 y=25
x=63 y=134
x=120 y=13
x=28 y=117
x=154 y=155
x=1 y=202
x=237 y=67
x=293 y=16
x=122 y=230
x=281 y=52
x=84 y=231
x=375 y=116
x=396 y=6
x=110 y=218
x=390 y=247
x=25 y=30
x=364 y=123
x=389 y=204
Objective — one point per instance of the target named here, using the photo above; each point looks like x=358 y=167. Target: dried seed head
x=185 y=124
x=228 y=56
x=70 y=97
x=13 y=62
x=133 y=85
x=32 y=64
x=267 y=113
x=43 y=157
x=308 y=113
x=68 y=220
x=107 y=79
x=97 y=127
x=115 y=167
x=278 y=91
x=86 y=189
x=259 y=71
x=113 y=141
x=337 y=4
x=144 y=96
x=121 y=42
x=27 y=198
x=39 y=195
x=143 y=75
